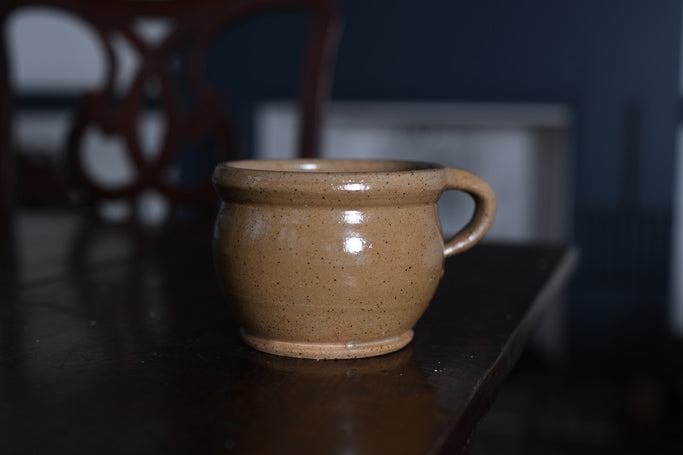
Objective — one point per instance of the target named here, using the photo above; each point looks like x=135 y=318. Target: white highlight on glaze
x=354 y=245
x=354 y=186
x=353 y=217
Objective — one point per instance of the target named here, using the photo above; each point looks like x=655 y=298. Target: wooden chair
x=195 y=113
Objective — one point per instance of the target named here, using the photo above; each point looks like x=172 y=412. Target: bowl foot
x=328 y=350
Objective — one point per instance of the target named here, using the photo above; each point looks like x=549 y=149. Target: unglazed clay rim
x=305 y=350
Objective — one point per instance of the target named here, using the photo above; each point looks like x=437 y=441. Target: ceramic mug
x=331 y=259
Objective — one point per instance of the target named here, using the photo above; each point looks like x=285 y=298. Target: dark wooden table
x=116 y=340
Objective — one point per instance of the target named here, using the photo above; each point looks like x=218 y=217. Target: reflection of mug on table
x=336 y=259
x=376 y=406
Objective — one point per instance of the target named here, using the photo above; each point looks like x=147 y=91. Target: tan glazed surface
x=336 y=259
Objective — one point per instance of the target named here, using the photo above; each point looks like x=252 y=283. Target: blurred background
x=570 y=109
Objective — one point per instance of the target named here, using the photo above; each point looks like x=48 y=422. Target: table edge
x=457 y=437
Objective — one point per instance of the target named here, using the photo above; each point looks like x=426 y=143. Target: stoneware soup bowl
x=331 y=259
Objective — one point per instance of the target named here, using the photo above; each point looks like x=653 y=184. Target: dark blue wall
x=599 y=56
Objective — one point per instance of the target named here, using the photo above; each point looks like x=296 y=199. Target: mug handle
x=484 y=209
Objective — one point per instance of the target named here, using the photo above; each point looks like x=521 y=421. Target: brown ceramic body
x=336 y=259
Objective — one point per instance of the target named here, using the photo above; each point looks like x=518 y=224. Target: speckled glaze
x=331 y=259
